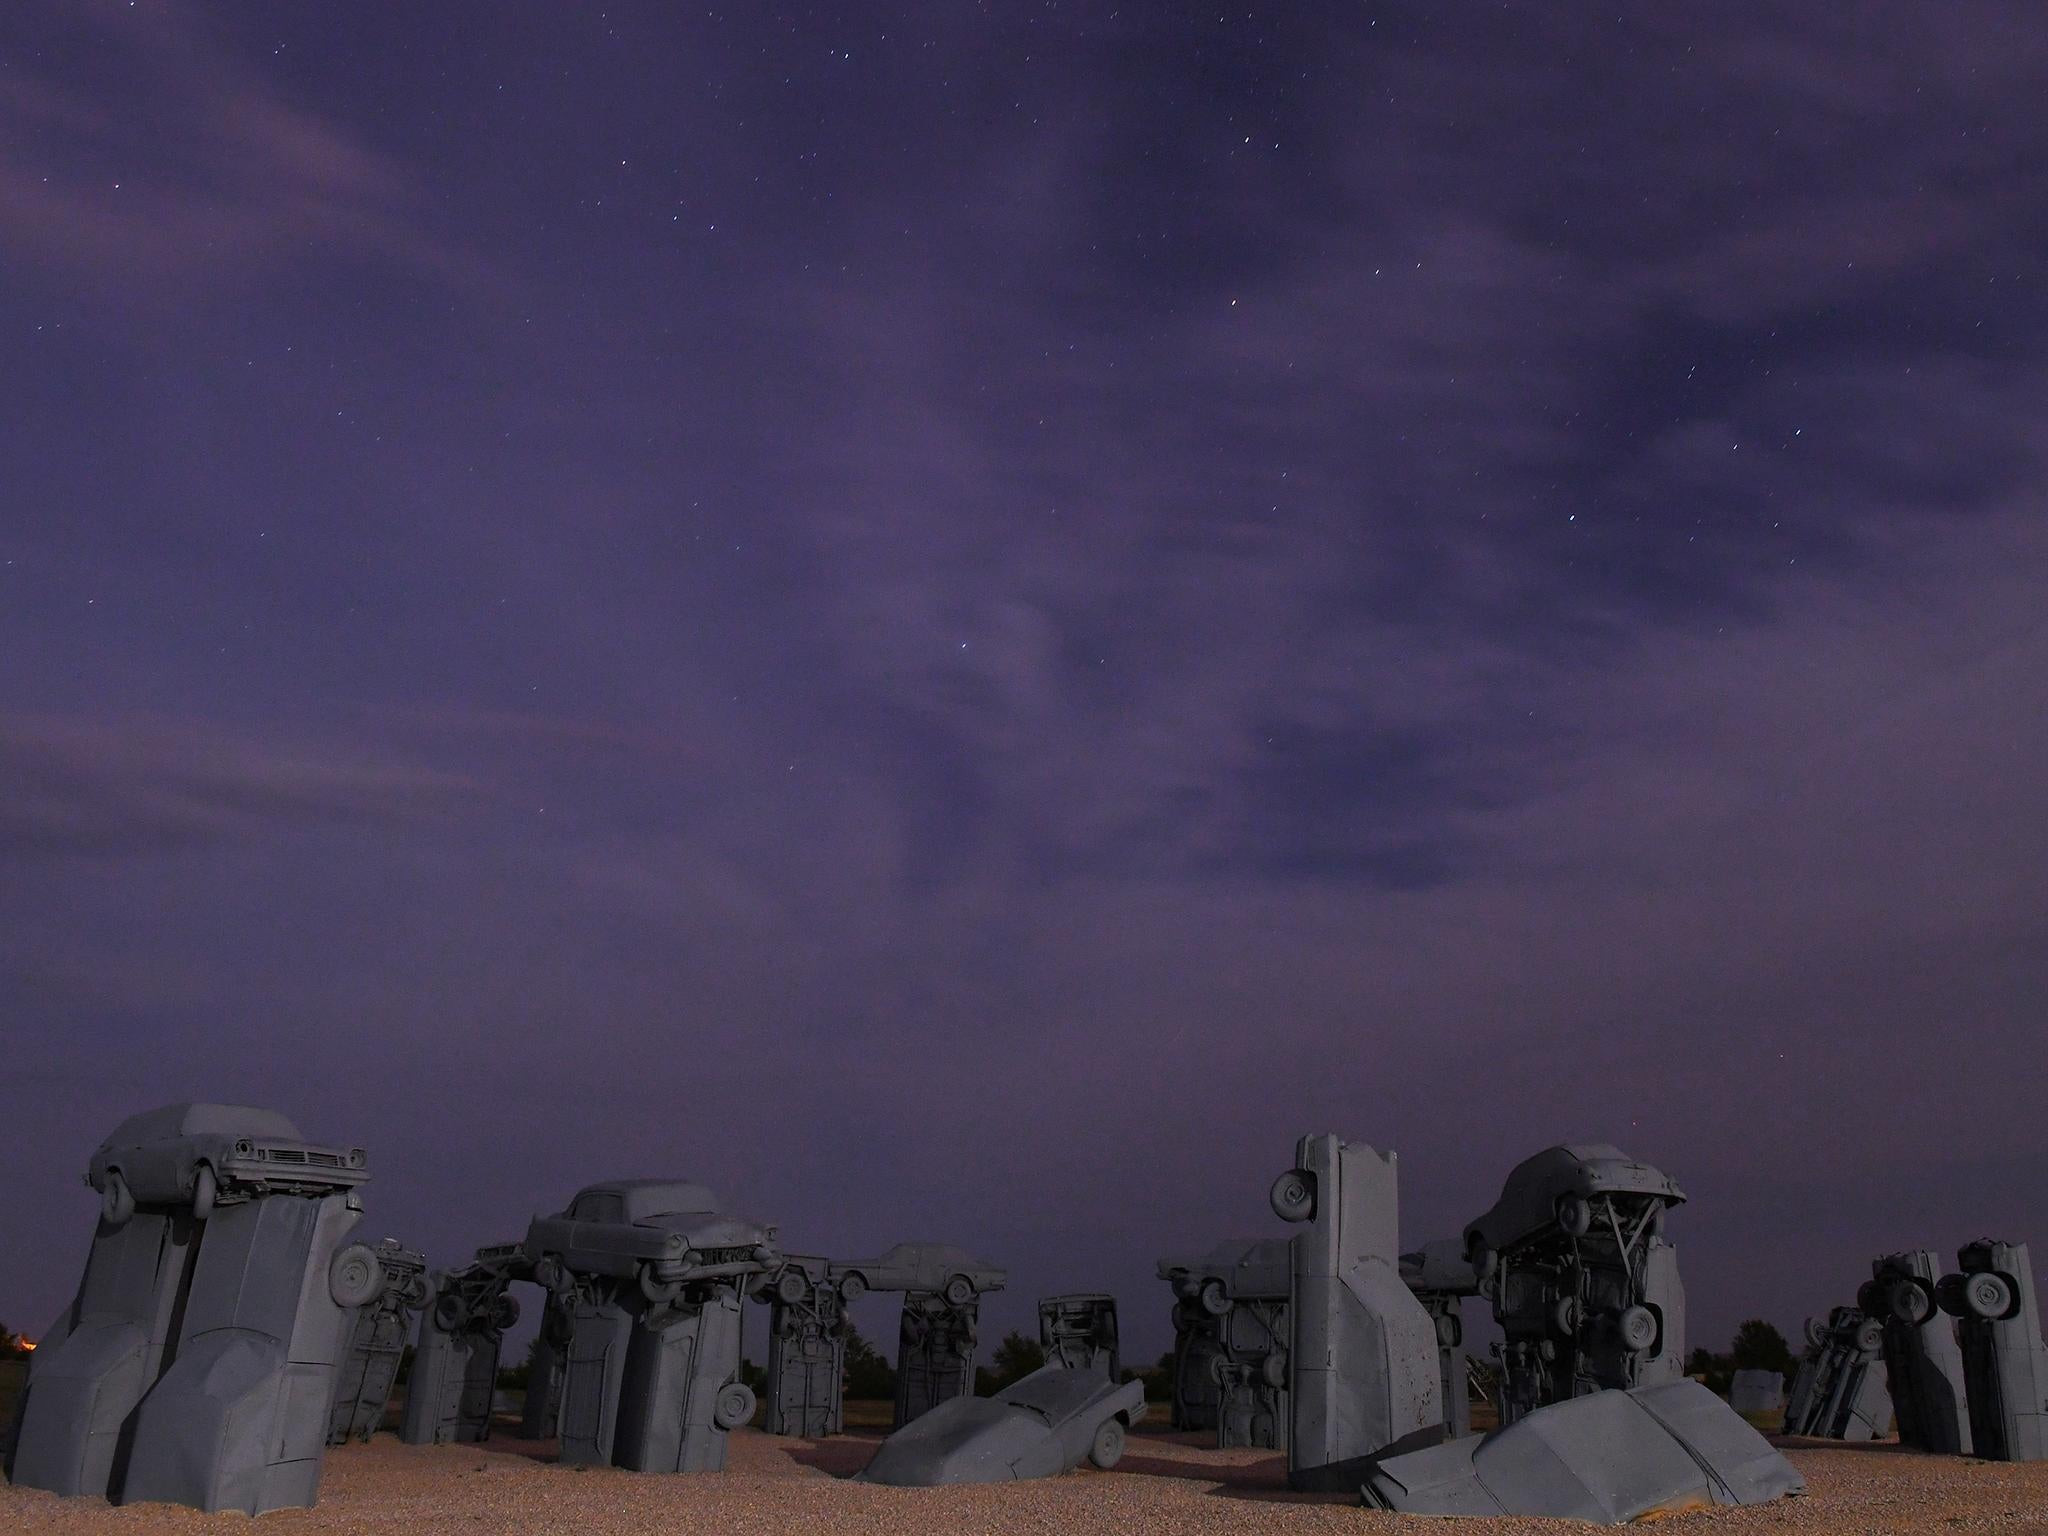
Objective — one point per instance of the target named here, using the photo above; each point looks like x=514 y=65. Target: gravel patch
x=1166 y=1484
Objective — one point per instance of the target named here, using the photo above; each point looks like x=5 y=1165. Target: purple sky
x=963 y=624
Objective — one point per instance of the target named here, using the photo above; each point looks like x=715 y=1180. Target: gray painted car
x=1607 y=1457
x=653 y=1231
x=939 y=1268
x=1046 y=1424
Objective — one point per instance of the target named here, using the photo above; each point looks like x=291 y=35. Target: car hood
x=1608 y=1458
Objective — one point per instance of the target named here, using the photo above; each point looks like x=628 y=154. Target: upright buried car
x=942 y=1288
x=377 y=1343
x=1585 y=1288
x=198 y=1362
x=1231 y=1332
x=2005 y=1361
x=650 y=1275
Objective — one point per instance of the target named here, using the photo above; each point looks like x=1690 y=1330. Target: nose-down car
x=1044 y=1425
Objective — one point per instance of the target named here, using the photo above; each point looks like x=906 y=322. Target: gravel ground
x=1166 y=1483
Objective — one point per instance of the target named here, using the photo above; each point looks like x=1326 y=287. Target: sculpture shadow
x=1262 y=1482
x=1859 y=1447
x=844 y=1455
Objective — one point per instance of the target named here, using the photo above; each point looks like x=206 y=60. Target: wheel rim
x=1988 y=1295
x=1638 y=1328
x=204 y=1188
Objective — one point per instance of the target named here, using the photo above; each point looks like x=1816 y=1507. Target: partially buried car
x=1046 y=1424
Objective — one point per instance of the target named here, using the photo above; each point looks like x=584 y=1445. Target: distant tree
x=869 y=1377
x=1760 y=1347
x=12 y=1345
x=1158 y=1380
x=1015 y=1358
x=754 y=1376
x=1712 y=1370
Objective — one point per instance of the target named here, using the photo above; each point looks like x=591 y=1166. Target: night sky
x=962 y=622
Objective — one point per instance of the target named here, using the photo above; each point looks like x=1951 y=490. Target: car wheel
x=1870 y=1336
x=1214 y=1298
x=1274 y=1370
x=354 y=1276
x=959 y=1291
x=1910 y=1301
x=792 y=1286
x=117 y=1201
x=505 y=1312
x=450 y=1312
x=1988 y=1296
x=1638 y=1328
x=1293 y=1196
x=852 y=1287
x=1574 y=1215
x=734 y=1405
x=1107 y=1449
x=204 y=1188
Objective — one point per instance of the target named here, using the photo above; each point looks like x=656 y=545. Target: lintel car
x=203 y=1154
x=659 y=1232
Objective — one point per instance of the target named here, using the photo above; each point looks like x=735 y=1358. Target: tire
x=205 y=1187
x=1483 y=1259
x=1107 y=1448
x=117 y=1202
x=1293 y=1196
x=354 y=1277
x=1639 y=1328
x=733 y=1406
x=959 y=1291
x=852 y=1287
x=1214 y=1298
x=1218 y=1367
x=451 y=1312
x=792 y=1286
x=1574 y=1215
x=1564 y=1317
x=417 y=1292
x=1910 y=1301
x=505 y=1312
x=1989 y=1296
x=1870 y=1336
x=1816 y=1333
x=1450 y=1330
x=1948 y=1295
x=1273 y=1370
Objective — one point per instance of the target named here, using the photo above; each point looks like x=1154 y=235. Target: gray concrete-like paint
x=199 y=1361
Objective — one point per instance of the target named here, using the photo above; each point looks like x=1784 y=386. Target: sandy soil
x=1166 y=1483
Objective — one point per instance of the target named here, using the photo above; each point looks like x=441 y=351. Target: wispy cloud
x=199 y=168
x=118 y=788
